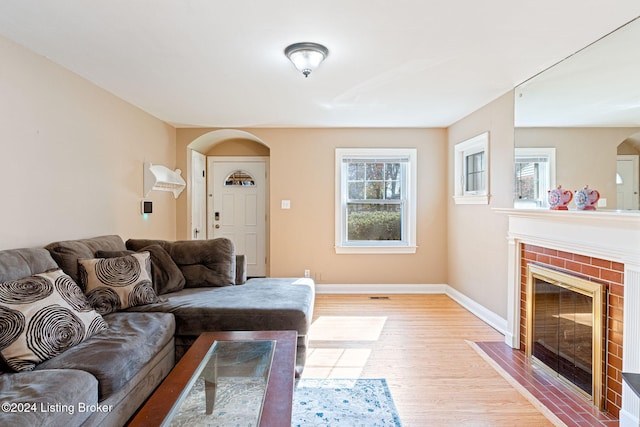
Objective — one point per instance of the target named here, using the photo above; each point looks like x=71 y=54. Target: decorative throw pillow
x=113 y=284
x=41 y=316
x=165 y=274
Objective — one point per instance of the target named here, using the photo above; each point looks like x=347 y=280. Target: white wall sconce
x=306 y=56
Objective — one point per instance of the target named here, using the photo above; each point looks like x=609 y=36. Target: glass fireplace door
x=563 y=332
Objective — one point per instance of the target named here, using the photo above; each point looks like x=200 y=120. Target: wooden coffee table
x=278 y=396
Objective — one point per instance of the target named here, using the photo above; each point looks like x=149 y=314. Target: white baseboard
x=379 y=289
x=510 y=340
x=487 y=316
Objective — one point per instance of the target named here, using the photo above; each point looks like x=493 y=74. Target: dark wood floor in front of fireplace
x=565 y=403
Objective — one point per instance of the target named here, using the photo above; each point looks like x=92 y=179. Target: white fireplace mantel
x=610 y=235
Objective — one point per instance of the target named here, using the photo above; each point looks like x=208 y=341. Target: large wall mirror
x=578 y=123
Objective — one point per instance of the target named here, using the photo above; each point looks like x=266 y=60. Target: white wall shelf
x=161 y=178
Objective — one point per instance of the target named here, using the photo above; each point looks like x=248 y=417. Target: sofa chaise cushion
x=18 y=263
x=115 y=355
x=203 y=263
x=264 y=304
x=58 y=396
x=66 y=253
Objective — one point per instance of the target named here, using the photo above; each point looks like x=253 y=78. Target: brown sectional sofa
x=201 y=286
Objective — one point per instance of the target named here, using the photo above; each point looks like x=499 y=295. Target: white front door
x=198 y=196
x=237 y=197
x=628 y=182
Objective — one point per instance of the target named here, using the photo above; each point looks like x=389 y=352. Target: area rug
x=237 y=404
x=343 y=402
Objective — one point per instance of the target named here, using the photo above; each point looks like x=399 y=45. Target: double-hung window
x=375 y=200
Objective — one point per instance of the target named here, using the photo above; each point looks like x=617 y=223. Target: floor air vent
x=378 y=297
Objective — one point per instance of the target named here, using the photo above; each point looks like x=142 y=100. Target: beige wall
x=71 y=157
x=74 y=155
x=477 y=242
x=302 y=170
x=584 y=156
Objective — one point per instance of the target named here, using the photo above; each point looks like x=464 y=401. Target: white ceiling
x=402 y=63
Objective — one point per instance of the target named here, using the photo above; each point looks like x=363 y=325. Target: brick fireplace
x=602 y=247
x=608 y=273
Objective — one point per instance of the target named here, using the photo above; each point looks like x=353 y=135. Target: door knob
x=217 y=225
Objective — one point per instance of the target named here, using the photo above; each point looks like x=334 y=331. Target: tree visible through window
x=375 y=201
x=374 y=204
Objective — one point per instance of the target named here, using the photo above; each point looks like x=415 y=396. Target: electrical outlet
x=307 y=273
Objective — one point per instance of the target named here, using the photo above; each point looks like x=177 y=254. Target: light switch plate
x=286 y=204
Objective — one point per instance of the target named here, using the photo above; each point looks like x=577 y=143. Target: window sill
x=472 y=200
x=376 y=249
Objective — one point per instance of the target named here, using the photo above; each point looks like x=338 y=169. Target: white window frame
x=549 y=179
x=477 y=144
x=408 y=243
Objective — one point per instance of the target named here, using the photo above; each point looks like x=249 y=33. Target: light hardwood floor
x=420 y=344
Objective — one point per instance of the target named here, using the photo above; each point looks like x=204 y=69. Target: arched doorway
x=628 y=173
x=238 y=212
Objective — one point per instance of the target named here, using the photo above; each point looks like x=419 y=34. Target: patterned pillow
x=113 y=284
x=42 y=316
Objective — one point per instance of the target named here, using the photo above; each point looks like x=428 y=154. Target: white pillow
x=113 y=284
x=42 y=316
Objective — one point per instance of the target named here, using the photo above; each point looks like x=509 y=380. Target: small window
x=475 y=173
x=535 y=173
x=375 y=200
x=471 y=170
x=239 y=178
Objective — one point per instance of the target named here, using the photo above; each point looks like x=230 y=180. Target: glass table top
x=228 y=388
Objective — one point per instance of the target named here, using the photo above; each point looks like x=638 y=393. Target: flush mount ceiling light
x=306 y=56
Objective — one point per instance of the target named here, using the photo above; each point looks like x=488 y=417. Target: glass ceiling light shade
x=306 y=56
